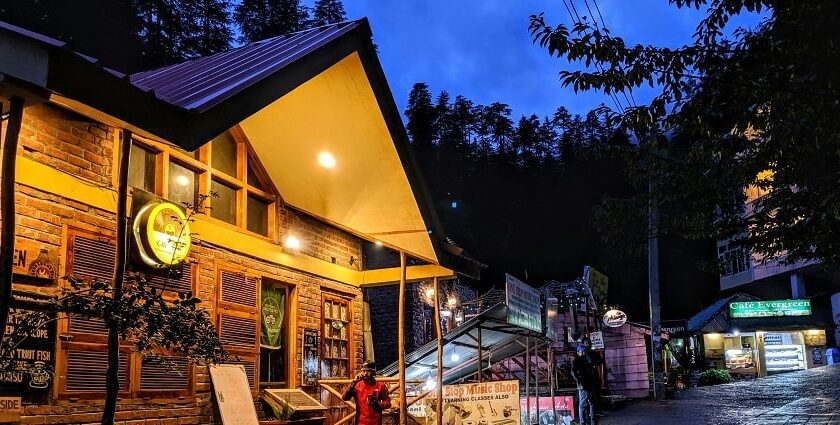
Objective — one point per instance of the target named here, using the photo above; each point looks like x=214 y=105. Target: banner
x=487 y=403
x=273 y=306
x=523 y=304
x=563 y=412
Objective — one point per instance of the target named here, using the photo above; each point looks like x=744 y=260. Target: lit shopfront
x=756 y=338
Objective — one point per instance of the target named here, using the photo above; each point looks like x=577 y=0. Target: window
x=224 y=202
x=84 y=340
x=224 y=154
x=258 y=215
x=225 y=166
x=273 y=333
x=733 y=259
x=183 y=185
x=141 y=172
x=337 y=347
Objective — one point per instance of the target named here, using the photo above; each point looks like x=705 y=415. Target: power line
x=576 y=20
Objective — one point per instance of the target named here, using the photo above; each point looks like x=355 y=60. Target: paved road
x=805 y=397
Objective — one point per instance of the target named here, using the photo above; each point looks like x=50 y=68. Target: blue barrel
x=832 y=356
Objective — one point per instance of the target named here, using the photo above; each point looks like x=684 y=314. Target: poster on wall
x=490 y=403
x=31 y=365
x=541 y=411
x=310 y=358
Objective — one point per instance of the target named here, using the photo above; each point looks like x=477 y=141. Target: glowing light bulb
x=326 y=159
x=182 y=180
x=292 y=242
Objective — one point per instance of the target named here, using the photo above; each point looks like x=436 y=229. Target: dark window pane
x=141 y=171
x=224 y=204
x=223 y=152
x=183 y=185
x=253 y=180
x=257 y=215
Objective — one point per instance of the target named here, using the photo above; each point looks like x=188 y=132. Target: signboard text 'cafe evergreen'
x=745 y=309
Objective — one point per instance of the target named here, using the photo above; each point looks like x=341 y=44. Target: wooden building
x=298 y=135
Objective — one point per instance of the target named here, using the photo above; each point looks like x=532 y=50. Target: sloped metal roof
x=715 y=318
x=202 y=83
x=499 y=341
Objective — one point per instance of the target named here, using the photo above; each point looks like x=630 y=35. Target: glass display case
x=784 y=358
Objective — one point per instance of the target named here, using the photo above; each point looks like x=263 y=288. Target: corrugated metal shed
x=202 y=83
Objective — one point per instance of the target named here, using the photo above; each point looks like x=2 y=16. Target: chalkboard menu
x=30 y=370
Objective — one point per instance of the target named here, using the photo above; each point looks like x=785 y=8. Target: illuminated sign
x=615 y=318
x=523 y=304
x=745 y=309
x=162 y=234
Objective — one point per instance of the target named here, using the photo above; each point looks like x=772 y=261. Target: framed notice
x=310 y=358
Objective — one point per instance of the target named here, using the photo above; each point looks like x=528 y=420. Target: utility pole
x=653 y=290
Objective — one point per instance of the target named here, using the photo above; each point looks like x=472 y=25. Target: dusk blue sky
x=482 y=49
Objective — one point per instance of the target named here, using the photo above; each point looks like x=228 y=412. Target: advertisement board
x=494 y=402
x=31 y=366
x=774 y=308
x=552 y=307
x=541 y=411
x=598 y=284
x=523 y=304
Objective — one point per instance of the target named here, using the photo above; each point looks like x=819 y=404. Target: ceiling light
x=326 y=159
x=378 y=243
x=292 y=242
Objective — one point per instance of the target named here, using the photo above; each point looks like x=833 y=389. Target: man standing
x=585 y=373
x=371 y=397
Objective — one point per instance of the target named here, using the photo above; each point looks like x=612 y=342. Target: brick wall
x=320 y=240
x=81 y=147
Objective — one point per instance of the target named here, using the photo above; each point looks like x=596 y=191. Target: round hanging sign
x=615 y=318
x=163 y=234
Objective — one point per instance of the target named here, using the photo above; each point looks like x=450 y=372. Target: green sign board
x=744 y=309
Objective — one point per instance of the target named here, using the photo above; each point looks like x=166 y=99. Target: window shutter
x=238 y=330
x=86 y=370
x=238 y=318
x=179 y=284
x=238 y=288
x=169 y=374
x=93 y=258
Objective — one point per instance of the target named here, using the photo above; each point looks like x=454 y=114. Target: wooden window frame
x=98 y=342
x=327 y=358
x=289 y=340
x=205 y=173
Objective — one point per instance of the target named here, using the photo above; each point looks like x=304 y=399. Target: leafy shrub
x=714 y=377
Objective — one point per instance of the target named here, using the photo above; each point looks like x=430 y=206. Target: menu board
x=32 y=365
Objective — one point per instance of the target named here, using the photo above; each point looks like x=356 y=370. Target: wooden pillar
x=7 y=191
x=401 y=342
x=439 y=387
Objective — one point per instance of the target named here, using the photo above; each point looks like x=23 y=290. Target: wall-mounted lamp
x=292 y=243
